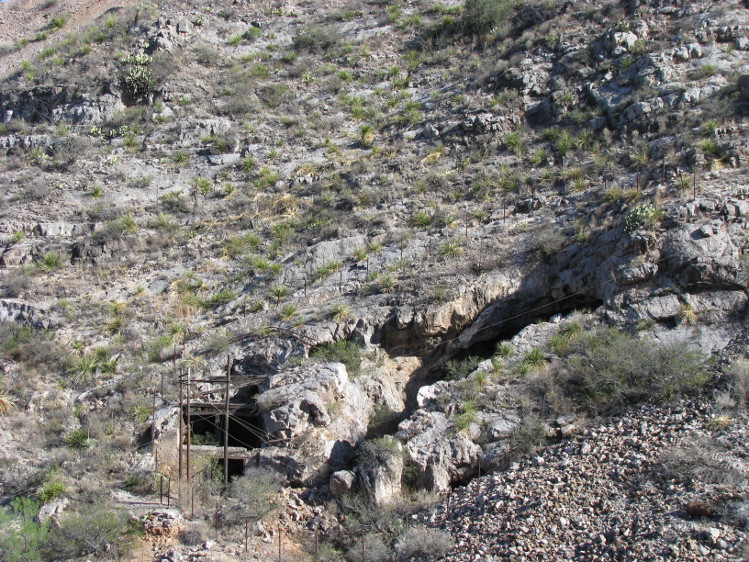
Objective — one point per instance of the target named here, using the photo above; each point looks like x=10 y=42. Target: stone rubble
x=604 y=495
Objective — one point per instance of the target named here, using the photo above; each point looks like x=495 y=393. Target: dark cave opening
x=245 y=428
x=497 y=331
x=236 y=467
x=501 y=324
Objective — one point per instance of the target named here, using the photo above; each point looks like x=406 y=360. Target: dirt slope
x=21 y=19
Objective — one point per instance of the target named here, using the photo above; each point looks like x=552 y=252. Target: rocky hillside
x=419 y=241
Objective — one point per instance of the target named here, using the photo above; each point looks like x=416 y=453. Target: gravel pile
x=623 y=490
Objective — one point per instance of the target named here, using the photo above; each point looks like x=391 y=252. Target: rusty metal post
x=189 y=430
x=181 y=427
x=226 y=423
x=153 y=423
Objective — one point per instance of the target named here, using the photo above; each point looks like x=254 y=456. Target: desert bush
x=549 y=241
x=703 y=460
x=317 y=39
x=257 y=491
x=138 y=80
x=94 y=529
x=642 y=216
x=35 y=348
x=141 y=482
x=194 y=535
x=68 y=150
x=346 y=352
x=23 y=537
x=422 y=542
x=370 y=548
x=527 y=436
x=456 y=369
x=17 y=282
x=487 y=16
x=50 y=490
x=609 y=369
x=740 y=382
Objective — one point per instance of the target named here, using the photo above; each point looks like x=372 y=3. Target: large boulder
x=314 y=417
x=440 y=454
x=380 y=470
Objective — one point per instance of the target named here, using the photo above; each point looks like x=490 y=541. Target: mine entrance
x=245 y=425
x=236 y=467
x=508 y=322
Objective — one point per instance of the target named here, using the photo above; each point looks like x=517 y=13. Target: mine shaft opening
x=498 y=330
x=245 y=428
x=236 y=467
x=504 y=322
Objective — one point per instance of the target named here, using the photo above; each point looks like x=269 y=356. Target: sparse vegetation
x=186 y=187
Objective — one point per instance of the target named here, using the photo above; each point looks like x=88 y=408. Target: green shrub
x=535 y=357
x=22 y=537
x=514 y=143
x=221 y=297
x=278 y=292
x=561 y=342
x=467 y=416
x=79 y=439
x=456 y=369
x=58 y=22
x=50 y=490
x=339 y=312
x=609 y=369
x=527 y=436
x=138 y=81
x=288 y=311
x=346 y=352
x=97 y=529
x=422 y=219
x=257 y=490
x=504 y=349
x=451 y=248
x=423 y=543
x=642 y=216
